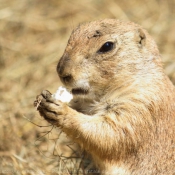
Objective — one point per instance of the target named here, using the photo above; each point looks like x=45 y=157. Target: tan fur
x=126 y=121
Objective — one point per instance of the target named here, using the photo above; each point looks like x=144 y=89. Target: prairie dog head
x=105 y=55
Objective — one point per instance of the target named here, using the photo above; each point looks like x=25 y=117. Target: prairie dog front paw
x=50 y=108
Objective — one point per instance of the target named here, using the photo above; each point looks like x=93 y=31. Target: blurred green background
x=33 y=35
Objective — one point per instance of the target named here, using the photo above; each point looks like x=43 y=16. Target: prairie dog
x=123 y=110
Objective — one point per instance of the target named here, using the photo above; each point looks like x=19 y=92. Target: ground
x=33 y=37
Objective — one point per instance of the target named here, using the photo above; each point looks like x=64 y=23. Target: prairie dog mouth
x=80 y=91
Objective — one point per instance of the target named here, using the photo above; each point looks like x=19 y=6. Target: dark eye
x=106 y=47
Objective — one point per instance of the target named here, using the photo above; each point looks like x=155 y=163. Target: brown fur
x=126 y=117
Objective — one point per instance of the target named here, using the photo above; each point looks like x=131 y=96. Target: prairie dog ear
x=140 y=37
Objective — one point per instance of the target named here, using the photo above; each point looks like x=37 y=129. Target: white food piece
x=63 y=95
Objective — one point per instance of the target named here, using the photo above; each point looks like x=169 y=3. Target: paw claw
x=46 y=94
x=35 y=103
x=39 y=97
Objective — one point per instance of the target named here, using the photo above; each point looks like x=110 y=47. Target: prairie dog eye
x=106 y=47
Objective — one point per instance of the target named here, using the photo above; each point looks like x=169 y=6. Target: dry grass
x=33 y=37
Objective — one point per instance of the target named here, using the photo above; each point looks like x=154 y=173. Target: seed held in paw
x=63 y=95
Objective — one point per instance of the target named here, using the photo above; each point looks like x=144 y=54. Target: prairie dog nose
x=63 y=64
x=66 y=78
x=63 y=69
